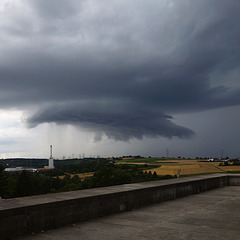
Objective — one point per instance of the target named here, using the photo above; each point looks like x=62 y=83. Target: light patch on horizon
x=12 y=133
x=10 y=124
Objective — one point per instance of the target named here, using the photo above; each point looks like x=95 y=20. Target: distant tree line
x=106 y=174
x=41 y=162
x=233 y=162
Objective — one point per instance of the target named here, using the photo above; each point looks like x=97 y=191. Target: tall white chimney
x=50 y=161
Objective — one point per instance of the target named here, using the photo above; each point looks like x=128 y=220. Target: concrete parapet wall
x=234 y=180
x=25 y=215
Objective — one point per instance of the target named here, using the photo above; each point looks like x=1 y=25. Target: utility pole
x=221 y=153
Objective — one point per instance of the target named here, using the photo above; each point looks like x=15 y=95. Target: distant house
x=17 y=169
x=20 y=169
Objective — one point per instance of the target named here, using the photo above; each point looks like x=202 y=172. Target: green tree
x=155 y=175
x=27 y=184
x=3 y=182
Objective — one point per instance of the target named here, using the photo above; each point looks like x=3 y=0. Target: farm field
x=186 y=169
x=230 y=168
x=82 y=176
x=172 y=167
x=182 y=166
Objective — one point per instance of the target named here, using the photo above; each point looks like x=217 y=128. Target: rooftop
x=211 y=215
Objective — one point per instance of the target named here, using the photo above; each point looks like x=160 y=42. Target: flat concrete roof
x=208 y=215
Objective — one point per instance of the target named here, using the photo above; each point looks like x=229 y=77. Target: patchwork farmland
x=181 y=166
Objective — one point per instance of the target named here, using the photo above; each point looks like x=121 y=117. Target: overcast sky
x=118 y=77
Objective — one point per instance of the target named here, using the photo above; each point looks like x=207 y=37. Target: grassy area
x=233 y=172
x=141 y=160
x=146 y=160
x=142 y=167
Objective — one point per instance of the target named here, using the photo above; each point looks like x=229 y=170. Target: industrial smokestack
x=50 y=151
x=50 y=161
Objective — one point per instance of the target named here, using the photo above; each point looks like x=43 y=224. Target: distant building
x=20 y=169
x=17 y=169
x=50 y=161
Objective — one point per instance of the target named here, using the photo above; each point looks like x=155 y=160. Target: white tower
x=50 y=161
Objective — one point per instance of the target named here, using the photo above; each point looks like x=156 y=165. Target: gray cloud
x=116 y=121
x=7 y=141
x=120 y=68
x=56 y=9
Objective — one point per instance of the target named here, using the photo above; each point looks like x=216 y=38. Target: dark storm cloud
x=55 y=9
x=121 y=68
x=117 y=121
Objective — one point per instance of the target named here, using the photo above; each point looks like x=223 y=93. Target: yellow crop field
x=184 y=166
x=85 y=175
x=81 y=175
x=186 y=169
x=202 y=168
x=165 y=170
x=230 y=168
